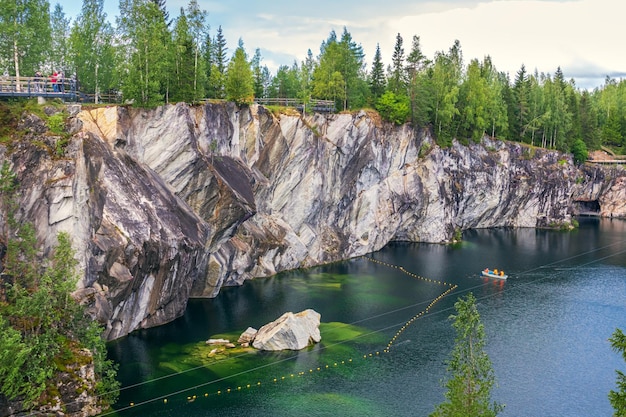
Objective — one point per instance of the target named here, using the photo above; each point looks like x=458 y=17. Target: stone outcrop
x=247 y=336
x=289 y=332
x=178 y=201
x=75 y=393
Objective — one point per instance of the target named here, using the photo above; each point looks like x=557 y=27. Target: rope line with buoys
x=451 y=287
x=389 y=312
x=299 y=374
x=191 y=398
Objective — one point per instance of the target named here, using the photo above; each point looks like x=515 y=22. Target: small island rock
x=290 y=331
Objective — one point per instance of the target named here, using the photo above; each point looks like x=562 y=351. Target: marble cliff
x=178 y=201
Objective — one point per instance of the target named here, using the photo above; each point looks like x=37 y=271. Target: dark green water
x=547 y=328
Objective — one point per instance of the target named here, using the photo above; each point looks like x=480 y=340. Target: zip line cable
x=421 y=316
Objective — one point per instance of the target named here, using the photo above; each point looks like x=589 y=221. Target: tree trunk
x=97 y=92
x=16 y=61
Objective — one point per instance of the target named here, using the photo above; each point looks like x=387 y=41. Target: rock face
x=178 y=201
x=289 y=332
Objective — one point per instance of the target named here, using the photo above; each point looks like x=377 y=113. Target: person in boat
x=501 y=273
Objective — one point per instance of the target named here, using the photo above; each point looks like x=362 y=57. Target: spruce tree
x=471 y=371
x=220 y=50
x=397 y=77
x=377 y=76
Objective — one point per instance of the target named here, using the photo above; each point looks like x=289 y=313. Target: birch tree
x=91 y=48
x=24 y=35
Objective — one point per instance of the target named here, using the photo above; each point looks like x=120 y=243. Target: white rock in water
x=217 y=341
x=290 y=331
x=247 y=336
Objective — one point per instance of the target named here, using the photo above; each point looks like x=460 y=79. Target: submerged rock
x=290 y=332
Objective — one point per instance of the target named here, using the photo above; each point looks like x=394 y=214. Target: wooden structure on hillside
x=313 y=105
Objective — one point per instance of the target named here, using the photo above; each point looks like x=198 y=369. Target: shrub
x=394 y=108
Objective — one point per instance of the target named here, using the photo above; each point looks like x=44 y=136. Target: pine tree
x=418 y=84
x=306 y=78
x=445 y=78
x=257 y=73
x=217 y=66
x=160 y=4
x=339 y=74
x=220 y=50
x=377 y=76
x=520 y=109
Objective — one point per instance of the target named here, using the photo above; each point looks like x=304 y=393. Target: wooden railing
x=36 y=86
x=322 y=106
x=64 y=88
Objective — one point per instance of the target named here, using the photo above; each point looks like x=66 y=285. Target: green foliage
x=56 y=123
x=338 y=75
x=41 y=325
x=25 y=34
x=239 y=80
x=91 y=48
x=43 y=322
x=618 y=397
x=144 y=62
x=394 y=108
x=579 y=150
x=471 y=371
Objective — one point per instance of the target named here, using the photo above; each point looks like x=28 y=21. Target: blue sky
x=584 y=37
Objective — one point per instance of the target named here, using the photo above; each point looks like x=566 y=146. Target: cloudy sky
x=584 y=37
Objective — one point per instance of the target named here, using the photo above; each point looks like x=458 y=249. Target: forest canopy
x=149 y=58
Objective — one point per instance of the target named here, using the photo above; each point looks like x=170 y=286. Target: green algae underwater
x=186 y=372
x=547 y=329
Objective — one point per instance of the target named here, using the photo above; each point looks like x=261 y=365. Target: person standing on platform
x=53 y=81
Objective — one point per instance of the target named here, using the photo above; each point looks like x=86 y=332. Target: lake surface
x=386 y=333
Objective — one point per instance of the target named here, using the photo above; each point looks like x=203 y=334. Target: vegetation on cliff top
x=150 y=59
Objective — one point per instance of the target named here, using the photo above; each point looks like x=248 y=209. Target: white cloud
x=539 y=34
x=584 y=37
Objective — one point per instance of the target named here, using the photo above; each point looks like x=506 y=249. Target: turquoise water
x=386 y=333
